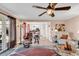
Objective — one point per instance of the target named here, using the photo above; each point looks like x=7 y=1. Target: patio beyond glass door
x=4 y=33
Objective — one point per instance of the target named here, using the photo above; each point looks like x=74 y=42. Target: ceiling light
x=50 y=11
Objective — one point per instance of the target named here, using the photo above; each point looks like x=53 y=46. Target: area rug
x=36 y=52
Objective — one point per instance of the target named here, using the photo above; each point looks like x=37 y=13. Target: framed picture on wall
x=60 y=27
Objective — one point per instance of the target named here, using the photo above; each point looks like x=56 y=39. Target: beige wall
x=18 y=30
x=53 y=25
x=72 y=26
x=57 y=22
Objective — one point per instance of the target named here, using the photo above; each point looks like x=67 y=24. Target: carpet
x=36 y=52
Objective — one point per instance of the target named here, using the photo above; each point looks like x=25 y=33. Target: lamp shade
x=50 y=11
x=56 y=30
x=78 y=31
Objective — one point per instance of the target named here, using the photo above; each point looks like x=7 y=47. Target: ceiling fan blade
x=39 y=7
x=42 y=13
x=63 y=8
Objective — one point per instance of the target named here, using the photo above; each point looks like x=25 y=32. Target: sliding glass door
x=4 y=33
x=7 y=32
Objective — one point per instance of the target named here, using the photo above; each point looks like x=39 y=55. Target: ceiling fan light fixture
x=51 y=8
x=50 y=11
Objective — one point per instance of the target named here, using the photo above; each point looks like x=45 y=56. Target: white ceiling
x=26 y=11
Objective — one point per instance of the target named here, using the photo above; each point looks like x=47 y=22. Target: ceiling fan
x=51 y=8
